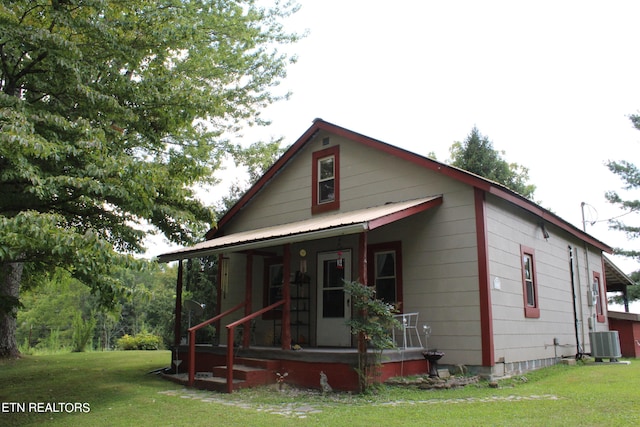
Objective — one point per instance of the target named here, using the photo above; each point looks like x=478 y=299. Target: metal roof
x=319 y=227
x=488 y=186
x=616 y=280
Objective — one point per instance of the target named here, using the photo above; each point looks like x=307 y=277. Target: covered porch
x=281 y=299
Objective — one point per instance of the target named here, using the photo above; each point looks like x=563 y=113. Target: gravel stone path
x=302 y=410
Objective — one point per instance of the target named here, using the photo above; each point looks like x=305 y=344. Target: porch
x=258 y=365
x=287 y=283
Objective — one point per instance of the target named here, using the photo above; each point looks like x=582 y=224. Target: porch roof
x=336 y=224
x=616 y=280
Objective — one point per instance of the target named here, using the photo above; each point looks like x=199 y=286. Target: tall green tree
x=629 y=173
x=52 y=310
x=110 y=113
x=633 y=292
x=477 y=155
x=256 y=159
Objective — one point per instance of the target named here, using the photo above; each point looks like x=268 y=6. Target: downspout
x=590 y=302
x=576 y=320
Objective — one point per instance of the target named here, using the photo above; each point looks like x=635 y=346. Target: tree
x=633 y=292
x=111 y=112
x=476 y=154
x=52 y=310
x=372 y=323
x=629 y=173
x=256 y=159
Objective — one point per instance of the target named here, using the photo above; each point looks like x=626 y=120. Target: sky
x=550 y=83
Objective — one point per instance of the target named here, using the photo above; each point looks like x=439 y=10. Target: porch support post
x=248 y=287
x=362 y=272
x=286 y=295
x=219 y=299
x=178 y=309
x=362 y=264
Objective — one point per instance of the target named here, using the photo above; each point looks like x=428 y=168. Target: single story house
x=491 y=279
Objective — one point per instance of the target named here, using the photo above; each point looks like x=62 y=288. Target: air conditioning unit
x=605 y=345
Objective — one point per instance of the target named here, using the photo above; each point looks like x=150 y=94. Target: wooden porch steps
x=247 y=372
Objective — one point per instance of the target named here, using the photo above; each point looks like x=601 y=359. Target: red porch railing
x=230 y=336
x=192 y=339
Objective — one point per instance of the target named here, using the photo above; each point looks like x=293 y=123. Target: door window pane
x=333 y=293
x=333 y=276
x=333 y=303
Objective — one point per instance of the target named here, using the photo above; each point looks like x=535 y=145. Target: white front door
x=334 y=305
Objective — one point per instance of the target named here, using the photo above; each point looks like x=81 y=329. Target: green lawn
x=115 y=389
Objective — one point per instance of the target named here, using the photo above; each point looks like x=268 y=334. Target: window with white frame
x=326 y=180
x=597 y=294
x=529 y=283
x=385 y=271
x=385 y=276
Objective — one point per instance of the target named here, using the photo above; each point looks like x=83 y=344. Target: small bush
x=126 y=342
x=147 y=341
x=141 y=341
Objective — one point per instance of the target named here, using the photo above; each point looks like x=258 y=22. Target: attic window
x=326 y=180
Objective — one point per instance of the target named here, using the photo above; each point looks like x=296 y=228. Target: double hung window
x=326 y=180
x=385 y=271
x=597 y=295
x=529 y=283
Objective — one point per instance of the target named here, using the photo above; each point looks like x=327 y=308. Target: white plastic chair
x=408 y=323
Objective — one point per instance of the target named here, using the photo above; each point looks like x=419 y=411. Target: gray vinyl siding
x=440 y=274
x=440 y=271
x=367 y=178
x=517 y=338
x=439 y=254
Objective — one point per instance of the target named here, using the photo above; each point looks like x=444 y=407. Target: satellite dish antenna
x=194 y=308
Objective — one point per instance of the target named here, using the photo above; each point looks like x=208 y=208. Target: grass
x=119 y=391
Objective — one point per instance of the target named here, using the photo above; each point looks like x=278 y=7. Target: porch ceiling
x=336 y=224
